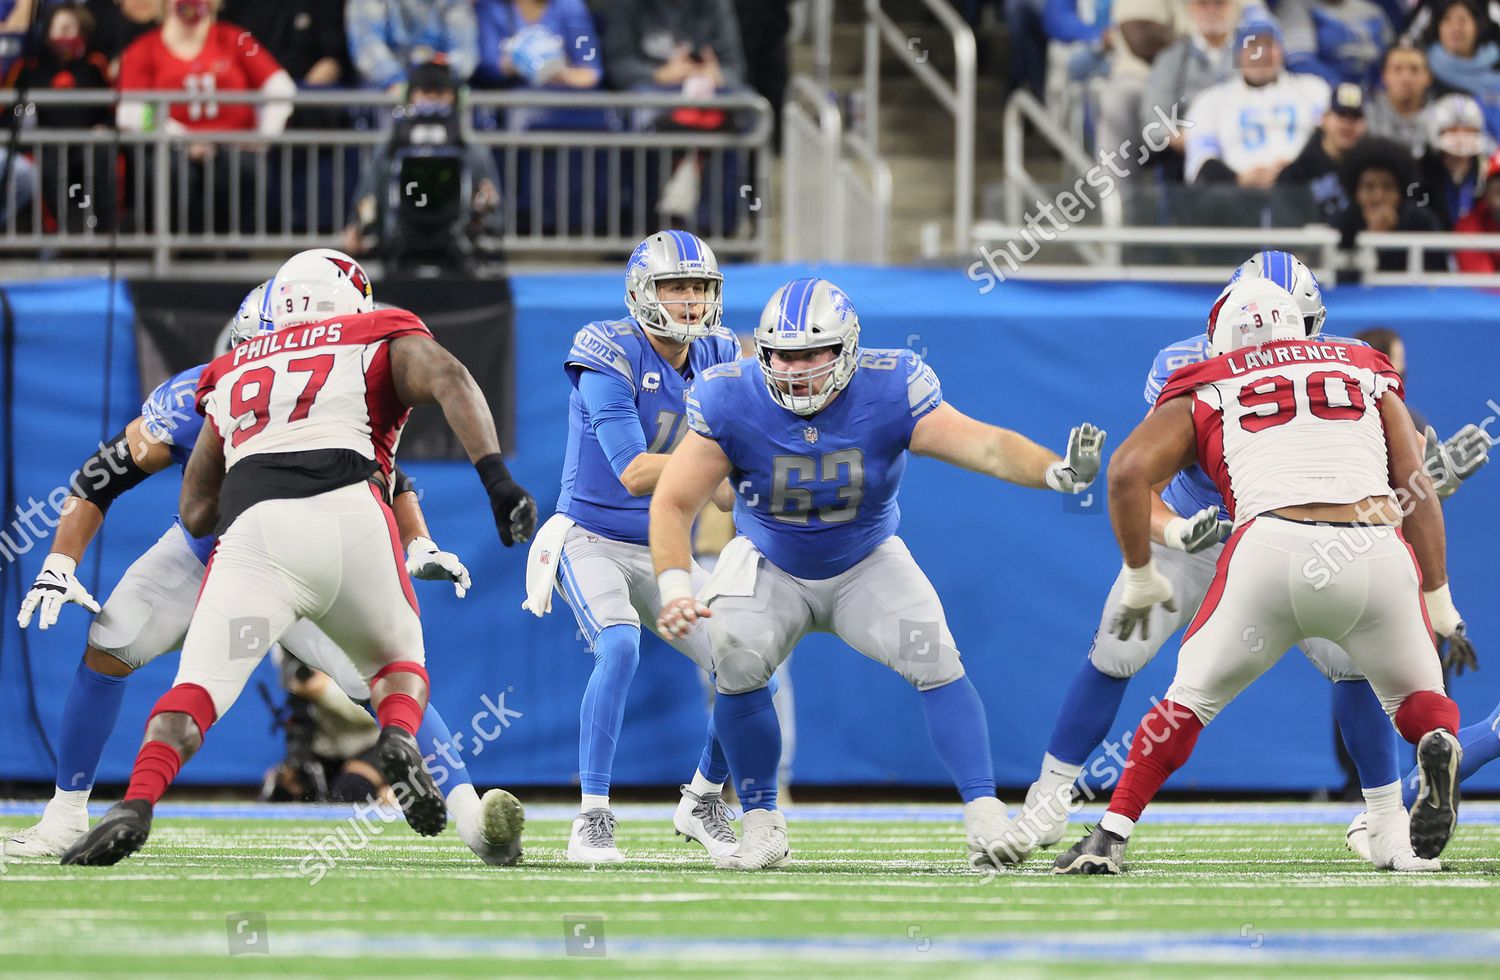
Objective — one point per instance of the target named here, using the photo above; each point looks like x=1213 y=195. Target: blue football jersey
x=1191 y=490
x=817 y=493
x=592 y=494
x=170 y=415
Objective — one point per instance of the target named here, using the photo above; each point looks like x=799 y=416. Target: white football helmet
x=251 y=318
x=808 y=314
x=1252 y=313
x=318 y=284
x=673 y=255
x=1291 y=274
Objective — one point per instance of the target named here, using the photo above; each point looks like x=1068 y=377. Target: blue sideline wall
x=1022 y=573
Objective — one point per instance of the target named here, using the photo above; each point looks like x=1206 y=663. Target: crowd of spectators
x=1358 y=114
x=691 y=47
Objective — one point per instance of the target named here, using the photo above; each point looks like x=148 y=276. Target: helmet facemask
x=834 y=374
x=656 y=315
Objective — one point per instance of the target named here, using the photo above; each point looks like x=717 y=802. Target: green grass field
x=872 y=891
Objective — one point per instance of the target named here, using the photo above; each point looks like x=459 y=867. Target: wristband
x=1440 y=609
x=1140 y=578
x=674 y=584
x=421 y=546
x=492 y=471
x=1171 y=535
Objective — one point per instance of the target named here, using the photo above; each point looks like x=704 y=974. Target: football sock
x=1088 y=709
x=1163 y=742
x=440 y=756
x=751 y=737
x=1423 y=712
x=594 y=801
x=1117 y=824
x=400 y=710
x=702 y=784
x=1481 y=746
x=961 y=736
x=89 y=715
x=1367 y=733
x=713 y=766
x=617 y=652
x=1382 y=799
x=1056 y=772
x=155 y=768
x=463 y=803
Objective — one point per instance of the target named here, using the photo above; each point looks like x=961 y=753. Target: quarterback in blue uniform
x=1187 y=535
x=625 y=415
x=147 y=613
x=813 y=434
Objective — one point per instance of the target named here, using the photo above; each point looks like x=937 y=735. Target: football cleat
x=1357 y=837
x=119 y=833
x=1435 y=813
x=1100 y=853
x=592 y=840
x=58 y=830
x=1045 y=813
x=501 y=820
x=420 y=799
x=764 y=844
x=995 y=840
x=706 y=820
x=1388 y=843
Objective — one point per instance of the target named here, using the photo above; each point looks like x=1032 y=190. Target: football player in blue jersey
x=625 y=415
x=813 y=434
x=147 y=615
x=1189 y=523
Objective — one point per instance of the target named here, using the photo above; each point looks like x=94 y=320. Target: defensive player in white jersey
x=148 y=611
x=813 y=434
x=290 y=471
x=1321 y=470
x=1244 y=131
x=1188 y=525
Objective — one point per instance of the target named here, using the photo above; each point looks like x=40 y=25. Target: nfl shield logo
x=810 y=434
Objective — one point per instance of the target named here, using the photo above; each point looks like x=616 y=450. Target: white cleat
x=593 y=838
x=1045 y=813
x=501 y=820
x=57 y=831
x=764 y=844
x=1390 y=844
x=995 y=840
x=706 y=820
x=1357 y=837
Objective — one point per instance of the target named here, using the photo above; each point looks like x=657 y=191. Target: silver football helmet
x=249 y=321
x=808 y=314
x=1254 y=312
x=673 y=255
x=1291 y=274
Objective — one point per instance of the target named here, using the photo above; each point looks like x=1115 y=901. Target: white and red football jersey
x=319 y=386
x=1293 y=422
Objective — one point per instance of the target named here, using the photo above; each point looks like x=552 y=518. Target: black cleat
x=1435 y=813
x=419 y=797
x=1100 y=853
x=121 y=832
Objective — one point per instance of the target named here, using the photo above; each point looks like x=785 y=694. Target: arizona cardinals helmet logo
x=355 y=273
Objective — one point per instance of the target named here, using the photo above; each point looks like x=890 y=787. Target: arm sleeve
x=612 y=415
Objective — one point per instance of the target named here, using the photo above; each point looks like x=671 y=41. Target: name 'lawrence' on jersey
x=592 y=495
x=816 y=494
x=1289 y=423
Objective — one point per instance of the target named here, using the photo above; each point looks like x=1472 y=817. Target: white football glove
x=55 y=587
x=1457 y=649
x=1193 y=534
x=1454 y=460
x=1144 y=589
x=425 y=561
x=1080 y=464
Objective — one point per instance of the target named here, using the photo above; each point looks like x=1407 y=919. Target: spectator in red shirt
x=195 y=52
x=1483 y=217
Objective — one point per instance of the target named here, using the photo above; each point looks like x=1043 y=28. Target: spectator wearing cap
x=1204 y=57
x=1483 y=217
x=387 y=38
x=1317 y=166
x=1246 y=130
x=1377 y=173
x=1394 y=110
x=1338 y=40
x=1451 y=171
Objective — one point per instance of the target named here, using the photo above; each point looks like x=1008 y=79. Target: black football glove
x=513 y=507
x=1458 y=652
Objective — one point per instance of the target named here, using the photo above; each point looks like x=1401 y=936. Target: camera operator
x=428 y=199
x=330 y=741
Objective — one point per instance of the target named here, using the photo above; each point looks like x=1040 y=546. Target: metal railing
x=957 y=98
x=836 y=193
x=159 y=199
x=1416 y=245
